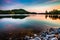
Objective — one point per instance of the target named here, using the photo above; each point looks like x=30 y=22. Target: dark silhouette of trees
x=46 y=12
x=16 y=11
x=53 y=12
x=22 y=11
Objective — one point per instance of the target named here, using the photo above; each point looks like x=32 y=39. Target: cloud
x=40 y=9
x=13 y=6
x=51 y=1
x=7 y=1
x=32 y=8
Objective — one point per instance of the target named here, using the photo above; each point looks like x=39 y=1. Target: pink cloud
x=13 y=6
x=7 y=1
x=40 y=9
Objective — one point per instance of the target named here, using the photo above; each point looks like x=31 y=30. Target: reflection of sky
x=26 y=23
x=7 y=22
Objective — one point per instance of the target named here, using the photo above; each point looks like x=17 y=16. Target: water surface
x=32 y=22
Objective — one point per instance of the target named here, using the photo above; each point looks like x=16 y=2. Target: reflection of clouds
x=35 y=22
x=9 y=27
x=11 y=24
x=36 y=25
x=12 y=20
x=48 y=20
x=6 y=21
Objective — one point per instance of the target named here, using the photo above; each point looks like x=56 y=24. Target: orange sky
x=43 y=9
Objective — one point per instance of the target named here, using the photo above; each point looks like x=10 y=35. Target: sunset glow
x=30 y=5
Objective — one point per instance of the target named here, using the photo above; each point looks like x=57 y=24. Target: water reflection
x=17 y=28
x=32 y=22
x=22 y=16
x=53 y=17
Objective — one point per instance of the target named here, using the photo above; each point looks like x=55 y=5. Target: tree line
x=16 y=11
x=22 y=11
x=54 y=11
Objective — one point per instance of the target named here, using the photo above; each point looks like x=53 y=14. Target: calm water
x=32 y=21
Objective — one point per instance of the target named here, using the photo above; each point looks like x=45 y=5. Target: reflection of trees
x=19 y=17
x=15 y=11
x=54 y=14
x=54 y=17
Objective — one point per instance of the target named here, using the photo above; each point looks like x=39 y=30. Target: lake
x=33 y=21
x=17 y=27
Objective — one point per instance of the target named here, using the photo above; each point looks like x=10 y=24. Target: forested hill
x=16 y=11
x=22 y=11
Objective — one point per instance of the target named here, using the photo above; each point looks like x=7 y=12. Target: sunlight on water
x=47 y=20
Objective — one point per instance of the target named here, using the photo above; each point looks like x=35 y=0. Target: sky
x=30 y=5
